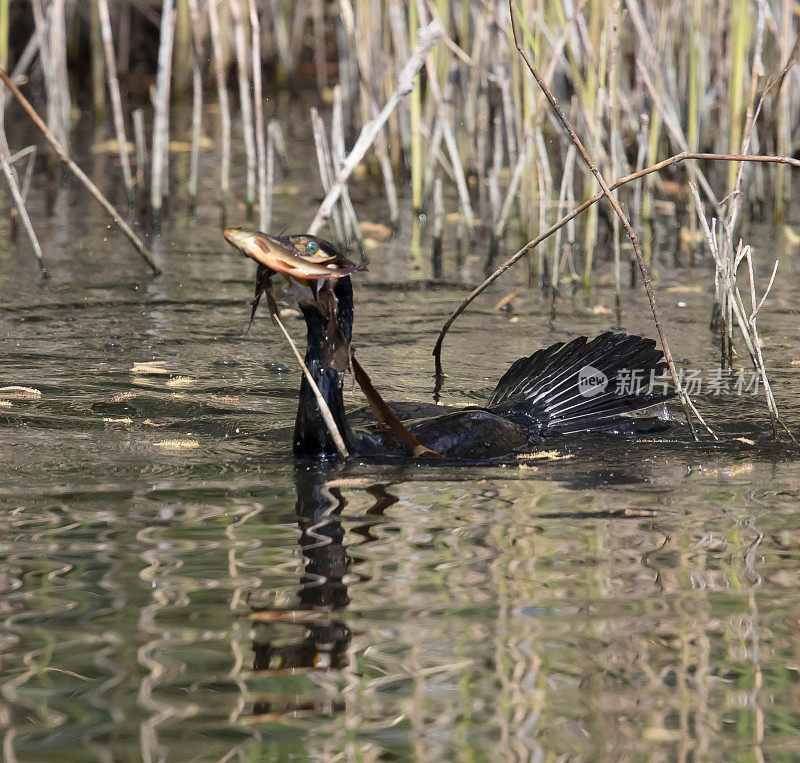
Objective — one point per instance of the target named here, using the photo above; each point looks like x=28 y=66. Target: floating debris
x=15 y=392
x=152 y=367
x=178 y=444
x=545 y=455
x=693 y=289
x=224 y=399
x=181 y=382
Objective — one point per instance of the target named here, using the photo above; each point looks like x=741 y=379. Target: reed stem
x=159 y=174
x=116 y=99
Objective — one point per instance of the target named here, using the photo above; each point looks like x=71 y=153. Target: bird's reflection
x=323 y=595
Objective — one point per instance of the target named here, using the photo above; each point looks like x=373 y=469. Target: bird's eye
x=312 y=247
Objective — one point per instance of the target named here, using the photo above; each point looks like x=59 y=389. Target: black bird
x=580 y=386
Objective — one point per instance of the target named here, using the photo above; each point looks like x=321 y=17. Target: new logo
x=591 y=381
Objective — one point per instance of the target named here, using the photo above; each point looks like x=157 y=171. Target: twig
x=79 y=173
x=428 y=37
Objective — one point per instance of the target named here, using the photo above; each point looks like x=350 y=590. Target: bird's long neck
x=311 y=436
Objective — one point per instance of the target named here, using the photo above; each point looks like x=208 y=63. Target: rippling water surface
x=175 y=587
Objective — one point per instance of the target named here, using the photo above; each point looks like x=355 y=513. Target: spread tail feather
x=581 y=386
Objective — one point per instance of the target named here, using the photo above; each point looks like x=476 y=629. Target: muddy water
x=175 y=587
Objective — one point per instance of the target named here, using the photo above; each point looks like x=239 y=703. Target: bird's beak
x=281 y=256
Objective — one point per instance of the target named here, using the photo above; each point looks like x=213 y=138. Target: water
x=175 y=587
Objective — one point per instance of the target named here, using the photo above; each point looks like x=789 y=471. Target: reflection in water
x=323 y=595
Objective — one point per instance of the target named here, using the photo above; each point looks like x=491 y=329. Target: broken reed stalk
x=725 y=306
x=224 y=106
x=756 y=70
x=5 y=7
x=50 y=28
x=438 y=217
x=731 y=304
x=381 y=149
x=116 y=99
x=20 y=202
x=415 y=111
x=567 y=180
x=545 y=182
x=432 y=158
x=456 y=165
x=159 y=174
x=79 y=173
x=279 y=143
x=513 y=187
x=197 y=100
x=24 y=61
x=772 y=406
x=443 y=112
x=265 y=213
x=326 y=175
x=784 y=126
x=258 y=99
x=320 y=64
x=665 y=108
x=338 y=154
x=245 y=104
x=389 y=187
x=427 y=38
x=613 y=132
x=30 y=153
x=141 y=148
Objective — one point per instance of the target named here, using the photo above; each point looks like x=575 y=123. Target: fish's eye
x=312 y=247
